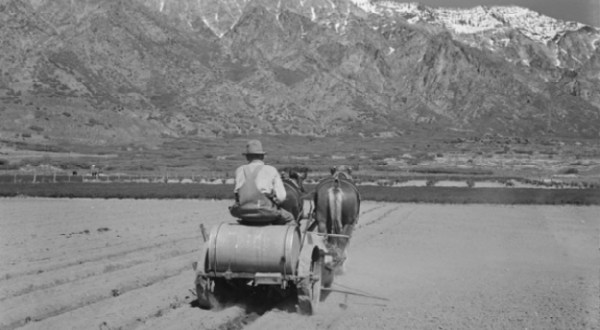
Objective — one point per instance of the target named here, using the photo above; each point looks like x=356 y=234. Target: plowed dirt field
x=126 y=264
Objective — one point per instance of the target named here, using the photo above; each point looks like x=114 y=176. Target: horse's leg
x=343 y=243
x=347 y=231
x=321 y=221
x=320 y=212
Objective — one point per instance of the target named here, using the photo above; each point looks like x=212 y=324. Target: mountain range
x=133 y=71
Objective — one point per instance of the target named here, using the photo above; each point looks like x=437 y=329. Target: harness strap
x=249 y=192
x=252 y=176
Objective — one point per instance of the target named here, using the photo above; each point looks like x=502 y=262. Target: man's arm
x=239 y=181
x=278 y=188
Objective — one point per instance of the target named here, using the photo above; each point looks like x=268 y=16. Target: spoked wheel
x=309 y=288
x=210 y=292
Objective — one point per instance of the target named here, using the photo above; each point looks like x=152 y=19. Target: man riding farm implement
x=259 y=190
x=257 y=255
x=269 y=252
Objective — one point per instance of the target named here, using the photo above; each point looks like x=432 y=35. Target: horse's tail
x=335 y=208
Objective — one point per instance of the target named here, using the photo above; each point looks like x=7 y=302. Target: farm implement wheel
x=327 y=275
x=210 y=293
x=309 y=288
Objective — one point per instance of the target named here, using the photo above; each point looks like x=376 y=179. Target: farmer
x=259 y=190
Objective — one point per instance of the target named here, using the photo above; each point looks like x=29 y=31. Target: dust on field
x=84 y=263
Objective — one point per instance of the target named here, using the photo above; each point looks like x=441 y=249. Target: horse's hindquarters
x=337 y=202
x=337 y=206
x=293 y=202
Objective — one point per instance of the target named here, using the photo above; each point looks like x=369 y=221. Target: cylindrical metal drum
x=247 y=249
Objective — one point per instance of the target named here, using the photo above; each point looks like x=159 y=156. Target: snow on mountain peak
x=474 y=20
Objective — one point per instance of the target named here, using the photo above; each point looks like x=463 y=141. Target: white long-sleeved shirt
x=267 y=179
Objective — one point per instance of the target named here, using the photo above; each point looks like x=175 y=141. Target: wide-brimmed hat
x=254 y=147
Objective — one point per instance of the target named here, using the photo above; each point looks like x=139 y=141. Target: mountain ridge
x=119 y=72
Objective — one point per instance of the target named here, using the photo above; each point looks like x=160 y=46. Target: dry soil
x=126 y=264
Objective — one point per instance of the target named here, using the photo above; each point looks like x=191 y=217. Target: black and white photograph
x=299 y=164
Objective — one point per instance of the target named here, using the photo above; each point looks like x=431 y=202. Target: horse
x=294 y=190
x=337 y=207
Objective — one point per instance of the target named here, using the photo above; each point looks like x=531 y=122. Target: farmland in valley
x=108 y=264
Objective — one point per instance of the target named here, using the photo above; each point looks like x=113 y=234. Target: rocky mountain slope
x=117 y=72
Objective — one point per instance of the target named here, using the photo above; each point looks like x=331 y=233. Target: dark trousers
x=284 y=217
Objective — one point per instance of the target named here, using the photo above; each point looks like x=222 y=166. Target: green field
x=416 y=154
x=521 y=171
x=453 y=195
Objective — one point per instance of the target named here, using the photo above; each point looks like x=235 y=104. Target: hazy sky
x=584 y=11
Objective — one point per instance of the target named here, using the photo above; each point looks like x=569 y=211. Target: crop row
x=452 y=195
